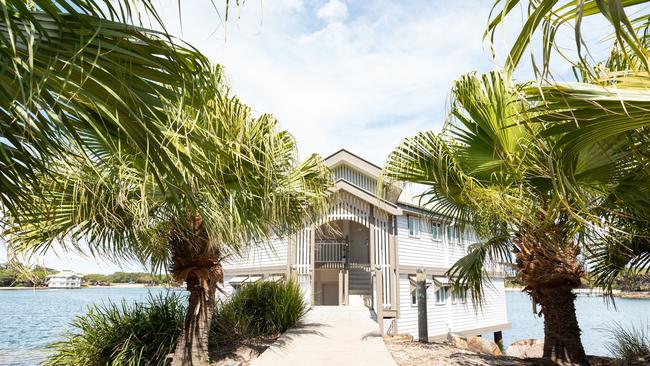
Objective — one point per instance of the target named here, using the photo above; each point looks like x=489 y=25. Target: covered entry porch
x=349 y=258
x=343 y=274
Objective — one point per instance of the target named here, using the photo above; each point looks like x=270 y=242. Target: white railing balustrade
x=330 y=251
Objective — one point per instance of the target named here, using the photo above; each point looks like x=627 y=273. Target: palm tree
x=491 y=170
x=246 y=185
x=606 y=104
x=78 y=71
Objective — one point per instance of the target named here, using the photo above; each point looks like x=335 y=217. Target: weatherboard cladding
x=271 y=253
x=449 y=317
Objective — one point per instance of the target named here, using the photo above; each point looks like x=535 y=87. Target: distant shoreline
x=598 y=292
x=114 y=285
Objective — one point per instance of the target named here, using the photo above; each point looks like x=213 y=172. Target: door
x=330 y=294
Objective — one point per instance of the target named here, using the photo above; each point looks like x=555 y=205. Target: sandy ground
x=408 y=353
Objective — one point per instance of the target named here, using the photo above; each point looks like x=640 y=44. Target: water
x=30 y=320
x=593 y=316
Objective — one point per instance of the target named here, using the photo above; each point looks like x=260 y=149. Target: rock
x=399 y=338
x=482 y=345
x=457 y=340
x=526 y=348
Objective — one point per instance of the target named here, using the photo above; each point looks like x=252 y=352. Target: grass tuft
x=628 y=345
x=259 y=309
x=122 y=334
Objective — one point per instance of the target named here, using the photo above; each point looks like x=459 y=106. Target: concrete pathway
x=333 y=336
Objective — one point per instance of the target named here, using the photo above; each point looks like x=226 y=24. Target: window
x=413 y=288
x=414 y=294
x=459 y=296
x=452 y=234
x=469 y=235
x=414 y=225
x=441 y=296
x=436 y=230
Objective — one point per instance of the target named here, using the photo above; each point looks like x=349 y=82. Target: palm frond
x=618 y=253
x=548 y=16
x=427 y=159
x=473 y=271
x=78 y=69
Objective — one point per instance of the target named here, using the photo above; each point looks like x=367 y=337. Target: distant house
x=367 y=252
x=65 y=279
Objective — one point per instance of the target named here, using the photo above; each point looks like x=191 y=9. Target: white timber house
x=367 y=252
x=65 y=279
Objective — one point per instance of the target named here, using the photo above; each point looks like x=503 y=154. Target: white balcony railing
x=331 y=251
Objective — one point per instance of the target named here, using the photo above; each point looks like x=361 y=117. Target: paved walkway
x=333 y=336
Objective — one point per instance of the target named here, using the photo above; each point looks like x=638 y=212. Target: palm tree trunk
x=561 y=332
x=192 y=346
x=549 y=267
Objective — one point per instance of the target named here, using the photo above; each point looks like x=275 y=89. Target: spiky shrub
x=259 y=309
x=140 y=333
x=628 y=345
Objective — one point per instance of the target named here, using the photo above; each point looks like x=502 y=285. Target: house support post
x=341 y=299
x=312 y=264
x=346 y=284
x=498 y=339
x=380 y=299
x=421 y=294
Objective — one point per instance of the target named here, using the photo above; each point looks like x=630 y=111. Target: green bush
x=259 y=309
x=628 y=345
x=122 y=334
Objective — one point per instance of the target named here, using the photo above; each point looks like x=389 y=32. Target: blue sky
x=360 y=75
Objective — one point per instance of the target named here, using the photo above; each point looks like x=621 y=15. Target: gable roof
x=383 y=204
x=344 y=156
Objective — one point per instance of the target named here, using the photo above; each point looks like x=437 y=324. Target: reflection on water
x=593 y=316
x=30 y=320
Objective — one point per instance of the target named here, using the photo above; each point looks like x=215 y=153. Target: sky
x=360 y=75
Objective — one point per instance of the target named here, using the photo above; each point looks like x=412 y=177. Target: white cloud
x=333 y=10
x=379 y=73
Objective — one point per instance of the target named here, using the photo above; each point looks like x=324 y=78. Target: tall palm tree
x=244 y=176
x=607 y=103
x=490 y=170
x=77 y=71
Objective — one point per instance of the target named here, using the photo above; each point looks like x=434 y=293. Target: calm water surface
x=593 y=316
x=30 y=320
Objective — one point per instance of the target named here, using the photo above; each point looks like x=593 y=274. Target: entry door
x=330 y=294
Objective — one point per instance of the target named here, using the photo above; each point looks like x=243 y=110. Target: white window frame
x=413 y=294
x=444 y=297
x=416 y=219
x=413 y=289
x=437 y=226
x=452 y=235
x=457 y=299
